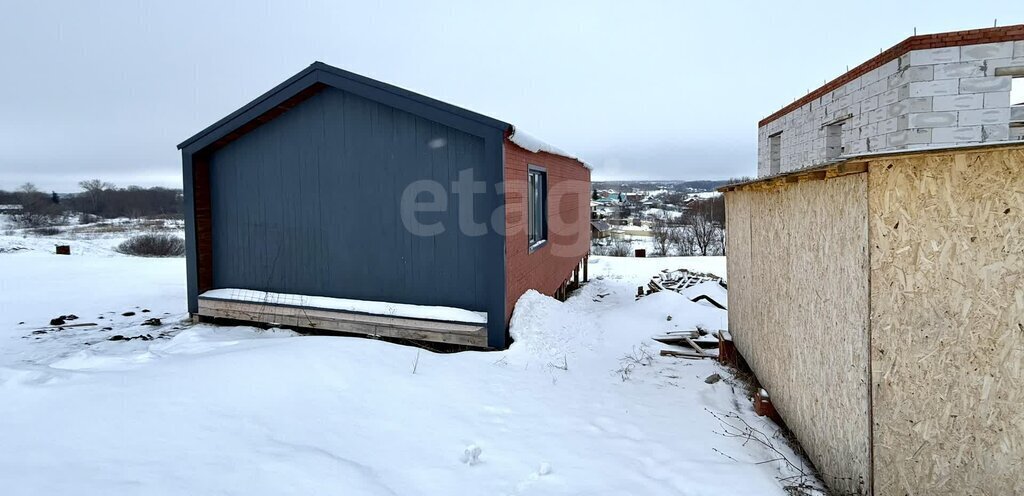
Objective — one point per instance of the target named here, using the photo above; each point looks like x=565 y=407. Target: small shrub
x=46 y=231
x=153 y=245
x=33 y=219
x=620 y=248
x=84 y=218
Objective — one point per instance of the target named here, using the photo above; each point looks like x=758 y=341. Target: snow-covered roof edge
x=531 y=143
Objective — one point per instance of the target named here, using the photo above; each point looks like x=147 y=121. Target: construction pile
x=694 y=344
x=699 y=287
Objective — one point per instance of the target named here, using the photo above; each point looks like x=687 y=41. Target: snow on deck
x=425 y=312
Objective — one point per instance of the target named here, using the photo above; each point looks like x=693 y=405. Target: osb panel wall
x=798 y=312
x=947 y=321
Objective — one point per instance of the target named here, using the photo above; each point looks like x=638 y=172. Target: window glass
x=537 y=207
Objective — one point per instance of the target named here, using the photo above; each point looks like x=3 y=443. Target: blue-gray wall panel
x=309 y=203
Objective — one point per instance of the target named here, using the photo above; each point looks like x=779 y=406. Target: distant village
x=663 y=218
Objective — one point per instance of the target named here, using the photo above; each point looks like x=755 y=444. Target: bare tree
x=38 y=209
x=94 y=189
x=682 y=239
x=662 y=235
x=706 y=235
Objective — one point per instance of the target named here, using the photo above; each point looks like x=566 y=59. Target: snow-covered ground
x=96 y=239
x=580 y=404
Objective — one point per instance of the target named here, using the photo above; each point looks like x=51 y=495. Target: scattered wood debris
x=56 y=321
x=54 y=328
x=681 y=354
x=677 y=280
x=118 y=337
x=708 y=299
x=681 y=280
x=693 y=343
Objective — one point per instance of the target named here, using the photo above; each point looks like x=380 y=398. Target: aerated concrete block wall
x=927 y=97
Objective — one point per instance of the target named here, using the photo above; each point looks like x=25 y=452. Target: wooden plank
x=350 y=327
x=681 y=354
x=709 y=300
x=852 y=168
x=696 y=347
x=373 y=325
x=67 y=326
x=428 y=325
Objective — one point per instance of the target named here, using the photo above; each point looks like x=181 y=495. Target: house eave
x=330 y=76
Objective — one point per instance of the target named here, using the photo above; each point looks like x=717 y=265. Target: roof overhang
x=854 y=164
x=319 y=76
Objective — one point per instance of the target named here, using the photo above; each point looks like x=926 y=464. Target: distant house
x=878 y=295
x=341 y=203
x=599 y=229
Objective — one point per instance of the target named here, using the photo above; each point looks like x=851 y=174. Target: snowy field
x=581 y=403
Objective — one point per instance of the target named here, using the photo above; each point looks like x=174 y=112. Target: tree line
x=97 y=200
x=700 y=231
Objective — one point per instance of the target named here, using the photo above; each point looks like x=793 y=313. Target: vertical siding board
x=421 y=164
x=324 y=219
x=481 y=213
x=444 y=244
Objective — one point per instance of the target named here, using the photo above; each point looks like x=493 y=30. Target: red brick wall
x=920 y=42
x=203 y=220
x=568 y=223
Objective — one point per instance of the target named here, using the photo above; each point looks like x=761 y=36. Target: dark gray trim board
x=189 y=213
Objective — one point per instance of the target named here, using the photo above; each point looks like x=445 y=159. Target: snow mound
x=545 y=329
x=535 y=145
x=712 y=289
x=88 y=360
x=206 y=338
x=682 y=310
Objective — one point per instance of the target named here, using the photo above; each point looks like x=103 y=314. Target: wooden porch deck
x=435 y=331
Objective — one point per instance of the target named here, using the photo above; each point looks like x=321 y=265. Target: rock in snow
x=545 y=469
x=471 y=456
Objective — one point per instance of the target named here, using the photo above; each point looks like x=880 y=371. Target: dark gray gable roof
x=321 y=74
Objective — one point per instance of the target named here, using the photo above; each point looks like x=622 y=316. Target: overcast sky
x=644 y=90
